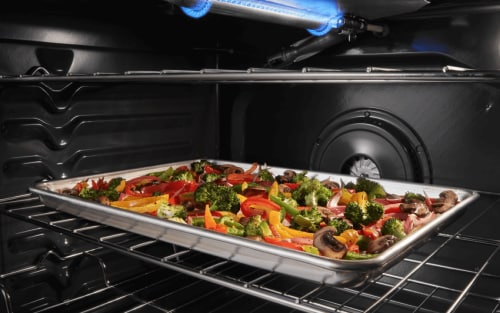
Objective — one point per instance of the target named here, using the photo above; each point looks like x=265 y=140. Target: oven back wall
x=435 y=133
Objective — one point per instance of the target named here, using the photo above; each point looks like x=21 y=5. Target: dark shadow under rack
x=444 y=275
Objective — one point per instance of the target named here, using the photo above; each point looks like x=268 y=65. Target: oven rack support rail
x=400 y=289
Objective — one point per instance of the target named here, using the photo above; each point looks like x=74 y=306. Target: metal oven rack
x=456 y=271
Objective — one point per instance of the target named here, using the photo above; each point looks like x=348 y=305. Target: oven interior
x=89 y=87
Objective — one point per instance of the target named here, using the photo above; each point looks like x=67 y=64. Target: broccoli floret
x=219 y=197
x=170 y=211
x=307 y=220
x=252 y=227
x=266 y=175
x=359 y=215
x=164 y=175
x=210 y=177
x=300 y=177
x=113 y=183
x=88 y=193
x=199 y=166
x=412 y=197
x=232 y=227
x=354 y=213
x=312 y=191
x=93 y=194
x=340 y=225
x=372 y=188
x=394 y=227
x=183 y=175
x=374 y=211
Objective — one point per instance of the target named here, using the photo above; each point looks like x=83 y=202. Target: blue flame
x=324 y=12
x=199 y=9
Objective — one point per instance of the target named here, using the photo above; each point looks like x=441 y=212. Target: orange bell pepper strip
x=209 y=219
x=210 y=222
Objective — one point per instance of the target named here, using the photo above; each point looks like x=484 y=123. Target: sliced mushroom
x=230 y=169
x=447 y=199
x=286 y=177
x=330 y=184
x=381 y=244
x=418 y=208
x=326 y=243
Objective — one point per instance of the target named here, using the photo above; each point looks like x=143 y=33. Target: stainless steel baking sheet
x=257 y=254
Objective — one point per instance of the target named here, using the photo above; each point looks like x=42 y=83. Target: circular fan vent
x=374 y=144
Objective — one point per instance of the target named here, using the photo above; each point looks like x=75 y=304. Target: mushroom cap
x=381 y=244
x=326 y=243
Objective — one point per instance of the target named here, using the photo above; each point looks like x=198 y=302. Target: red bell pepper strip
x=370 y=231
x=283 y=243
x=134 y=186
x=210 y=170
x=236 y=178
x=392 y=208
x=258 y=206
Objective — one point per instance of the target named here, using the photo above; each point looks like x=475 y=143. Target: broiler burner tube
x=317 y=24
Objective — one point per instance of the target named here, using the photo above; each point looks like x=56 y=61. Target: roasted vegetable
x=412 y=197
x=374 y=211
x=340 y=225
x=394 y=227
x=185 y=175
x=199 y=166
x=252 y=227
x=256 y=226
x=210 y=177
x=307 y=220
x=170 y=211
x=220 y=198
x=360 y=215
x=311 y=192
x=266 y=175
x=372 y=188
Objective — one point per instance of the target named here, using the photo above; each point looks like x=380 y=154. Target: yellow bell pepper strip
x=273 y=190
x=284 y=231
x=242 y=198
x=345 y=197
x=121 y=186
x=141 y=205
